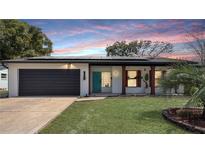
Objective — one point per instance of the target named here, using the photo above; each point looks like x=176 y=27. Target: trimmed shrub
x=3 y=94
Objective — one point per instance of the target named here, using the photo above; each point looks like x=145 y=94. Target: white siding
x=84 y=84
x=117 y=79
x=14 y=67
x=4 y=82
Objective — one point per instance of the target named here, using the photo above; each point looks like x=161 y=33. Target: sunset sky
x=90 y=37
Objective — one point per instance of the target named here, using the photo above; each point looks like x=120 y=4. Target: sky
x=91 y=37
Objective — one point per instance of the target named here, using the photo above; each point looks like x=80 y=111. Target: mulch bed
x=191 y=121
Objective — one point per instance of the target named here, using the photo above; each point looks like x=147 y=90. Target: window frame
x=102 y=79
x=163 y=73
x=137 y=79
x=4 y=78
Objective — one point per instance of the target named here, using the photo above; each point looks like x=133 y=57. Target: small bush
x=3 y=93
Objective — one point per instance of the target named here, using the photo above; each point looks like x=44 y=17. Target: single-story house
x=84 y=76
x=3 y=78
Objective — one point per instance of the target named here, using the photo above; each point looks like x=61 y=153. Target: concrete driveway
x=26 y=115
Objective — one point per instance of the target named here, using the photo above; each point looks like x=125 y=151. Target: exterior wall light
x=84 y=75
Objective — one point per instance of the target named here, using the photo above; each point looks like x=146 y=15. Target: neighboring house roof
x=2 y=67
x=101 y=60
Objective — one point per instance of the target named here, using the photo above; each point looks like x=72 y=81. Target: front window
x=159 y=75
x=133 y=78
x=3 y=76
x=106 y=79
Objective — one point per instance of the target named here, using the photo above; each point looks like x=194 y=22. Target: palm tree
x=184 y=74
x=189 y=76
x=198 y=99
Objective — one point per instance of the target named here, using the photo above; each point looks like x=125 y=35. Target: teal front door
x=96 y=82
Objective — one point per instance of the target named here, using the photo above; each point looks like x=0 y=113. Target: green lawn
x=124 y=115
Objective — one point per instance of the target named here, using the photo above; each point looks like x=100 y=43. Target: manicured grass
x=117 y=115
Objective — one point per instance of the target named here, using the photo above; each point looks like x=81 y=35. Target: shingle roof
x=100 y=60
x=86 y=57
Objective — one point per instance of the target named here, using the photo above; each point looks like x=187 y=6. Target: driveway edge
x=39 y=128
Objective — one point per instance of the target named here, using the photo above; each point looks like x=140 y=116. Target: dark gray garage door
x=35 y=82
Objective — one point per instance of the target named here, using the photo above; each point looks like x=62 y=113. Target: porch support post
x=152 y=83
x=123 y=79
x=89 y=80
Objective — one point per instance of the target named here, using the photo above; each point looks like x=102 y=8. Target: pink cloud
x=78 y=31
x=85 y=46
x=160 y=25
x=103 y=43
x=165 y=37
x=120 y=34
x=65 y=50
x=142 y=26
x=103 y=27
x=71 y=32
x=181 y=56
x=178 y=38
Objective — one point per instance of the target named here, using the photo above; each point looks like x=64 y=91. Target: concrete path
x=26 y=115
x=89 y=99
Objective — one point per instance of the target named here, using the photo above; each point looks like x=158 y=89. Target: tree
x=196 y=41
x=184 y=74
x=19 y=39
x=189 y=76
x=198 y=99
x=139 y=48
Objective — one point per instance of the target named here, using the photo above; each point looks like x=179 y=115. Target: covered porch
x=121 y=80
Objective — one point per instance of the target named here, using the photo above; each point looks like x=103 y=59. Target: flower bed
x=188 y=118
